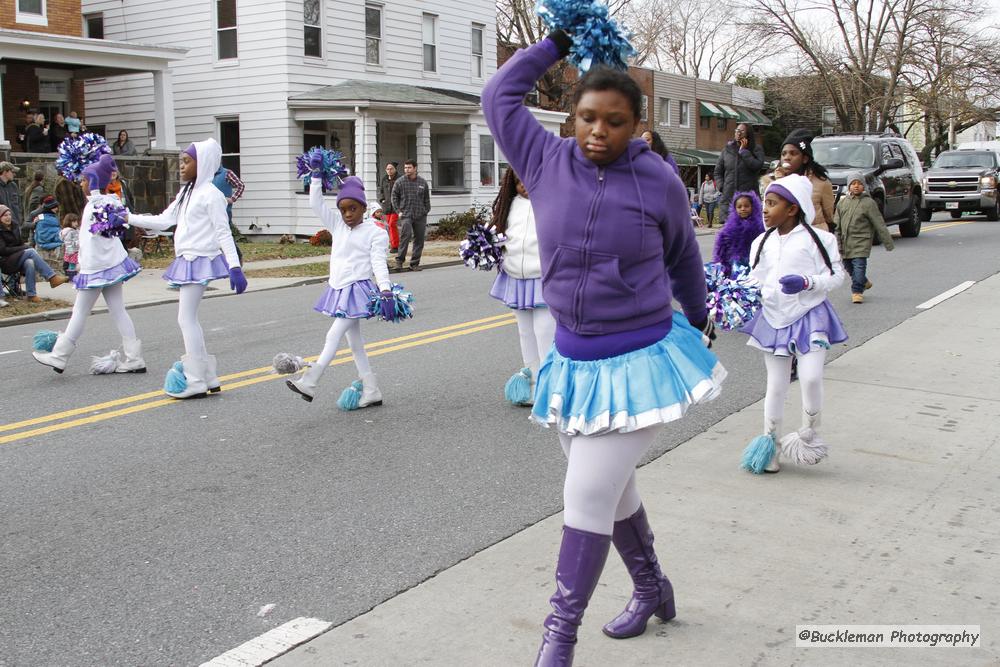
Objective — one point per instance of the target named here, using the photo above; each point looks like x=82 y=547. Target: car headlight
x=989 y=181
x=924 y=184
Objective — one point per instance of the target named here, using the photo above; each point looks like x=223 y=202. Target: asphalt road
x=151 y=532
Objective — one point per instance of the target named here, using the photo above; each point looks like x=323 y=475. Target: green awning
x=729 y=111
x=710 y=110
x=747 y=116
x=684 y=160
x=694 y=157
x=764 y=120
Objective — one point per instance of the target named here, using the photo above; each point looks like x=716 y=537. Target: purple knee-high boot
x=653 y=594
x=581 y=560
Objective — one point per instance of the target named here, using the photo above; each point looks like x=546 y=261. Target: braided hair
x=801 y=220
x=506 y=195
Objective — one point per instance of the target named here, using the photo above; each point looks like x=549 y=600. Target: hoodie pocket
x=591 y=284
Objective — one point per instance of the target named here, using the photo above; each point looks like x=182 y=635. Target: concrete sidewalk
x=898 y=526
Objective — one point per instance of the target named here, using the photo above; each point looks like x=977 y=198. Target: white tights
x=779 y=378
x=187 y=318
x=352 y=329
x=84 y=303
x=537 y=329
x=600 y=477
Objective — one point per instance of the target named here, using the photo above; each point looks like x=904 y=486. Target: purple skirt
x=350 y=302
x=200 y=271
x=518 y=293
x=113 y=276
x=819 y=328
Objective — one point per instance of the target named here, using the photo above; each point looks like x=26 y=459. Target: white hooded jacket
x=521 y=255
x=98 y=253
x=202 y=221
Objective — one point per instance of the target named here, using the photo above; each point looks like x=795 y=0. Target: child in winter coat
x=744 y=224
x=70 y=236
x=47 y=239
x=856 y=220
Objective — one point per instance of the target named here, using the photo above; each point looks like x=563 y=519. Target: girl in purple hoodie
x=744 y=224
x=616 y=246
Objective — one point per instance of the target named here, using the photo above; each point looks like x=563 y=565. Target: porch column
x=366 y=138
x=163 y=110
x=4 y=144
x=425 y=164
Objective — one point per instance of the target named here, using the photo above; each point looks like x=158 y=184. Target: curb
x=64 y=313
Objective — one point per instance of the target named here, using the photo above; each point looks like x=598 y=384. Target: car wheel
x=955 y=215
x=925 y=214
x=911 y=228
x=994 y=213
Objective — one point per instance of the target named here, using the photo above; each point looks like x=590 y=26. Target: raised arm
x=521 y=138
x=330 y=217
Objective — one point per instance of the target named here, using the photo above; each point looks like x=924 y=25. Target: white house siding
x=676 y=89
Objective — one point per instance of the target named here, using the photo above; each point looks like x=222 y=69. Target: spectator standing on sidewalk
x=655 y=142
x=33 y=194
x=385 y=185
x=10 y=196
x=411 y=199
x=797 y=158
x=857 y=219
x=738 y=168
x=70 y=196
x=708 y=197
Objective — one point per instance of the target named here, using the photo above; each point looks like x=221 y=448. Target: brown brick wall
x=65 y=17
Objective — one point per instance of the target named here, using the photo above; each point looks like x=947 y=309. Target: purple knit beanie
x=192 y=152
x=99 y=173
x=353 y=188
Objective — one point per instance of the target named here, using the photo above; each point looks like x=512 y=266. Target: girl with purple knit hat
x=616 y=246
x=205 y=252
x=359 y=250
x=103 y=268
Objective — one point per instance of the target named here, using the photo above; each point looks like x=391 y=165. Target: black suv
x=892 y=171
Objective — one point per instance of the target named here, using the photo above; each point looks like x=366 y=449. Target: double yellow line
x=155 y=399
x=945 y=225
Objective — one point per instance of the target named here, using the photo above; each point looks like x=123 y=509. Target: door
x=891 y=184
x=904 y=180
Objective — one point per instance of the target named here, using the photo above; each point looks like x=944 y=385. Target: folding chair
x=154 y=238
x=11 y=284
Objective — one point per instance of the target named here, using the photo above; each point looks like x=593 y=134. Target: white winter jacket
x=357 y=252
x=98 y=253
x=521 y=257
x=202 y=221
x=795 y=253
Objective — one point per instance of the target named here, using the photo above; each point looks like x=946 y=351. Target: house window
x=151 y=132
x=684 y=116
x=664 y=111
x=31 y=12
x=706 y=122
x=93 y=26
x=225 y=14
x=335 y=134
x=229 y=139
x=492 y=165
x=722 y=123
x=312 y=29
x=644 y=109
x=373 y=34
x=477 y=51
x=430 y=42
x=449 y=161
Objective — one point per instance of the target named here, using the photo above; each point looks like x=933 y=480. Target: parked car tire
x=955 y=215
x=925 y=214
x=911 y=228
x=994 y=213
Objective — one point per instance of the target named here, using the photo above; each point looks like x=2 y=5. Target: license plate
x=951 y=204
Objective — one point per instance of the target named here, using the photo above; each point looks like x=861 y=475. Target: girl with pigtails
x=519 y=284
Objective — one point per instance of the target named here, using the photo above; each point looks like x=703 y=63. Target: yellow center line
x=504 y=319
x=945 y=225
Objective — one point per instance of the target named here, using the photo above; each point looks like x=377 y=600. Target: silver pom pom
x=106 y=364
x=286 y=364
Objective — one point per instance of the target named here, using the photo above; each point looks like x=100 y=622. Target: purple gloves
x=316 y=162
x=237 y=281
x=792 y=284
x=388 y=306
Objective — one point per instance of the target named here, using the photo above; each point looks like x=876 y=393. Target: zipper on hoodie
x=587 y=235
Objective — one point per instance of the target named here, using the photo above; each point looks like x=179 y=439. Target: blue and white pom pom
x=332 y=172
x=758 y=453
x=286 y=364
x=597 y=38
x=401 y=300
x=109 y=220
x=78 y=153
x=733 y=296
x=482 y=248
x=518 y=387
x=350 y=398
x=175 y=382
x=44 y=341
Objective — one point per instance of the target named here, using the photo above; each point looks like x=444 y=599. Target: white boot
x=804 y=446
x=133 y=362
x=59 y=355
x=305 y=384
x=194 y=375
x=771 y=427
x=370 y=394
x=211 y=378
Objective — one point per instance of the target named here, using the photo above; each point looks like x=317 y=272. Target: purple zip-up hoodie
x=614 y=239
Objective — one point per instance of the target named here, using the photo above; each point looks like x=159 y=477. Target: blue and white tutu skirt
x=199 y=271
x=652 y=385
x=518 y=293
x=818 y=329
x=350 y=302
x=116 y=274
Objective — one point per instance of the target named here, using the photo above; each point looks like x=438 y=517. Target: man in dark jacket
x=385 y=185
x=58 y=131
x=411 y=199
x=10 y=196
x=738 y=168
